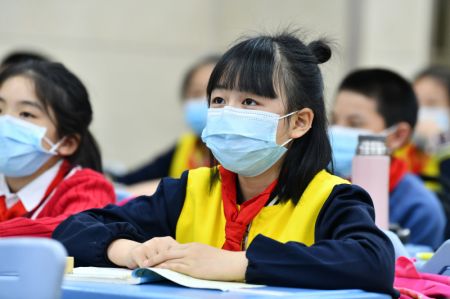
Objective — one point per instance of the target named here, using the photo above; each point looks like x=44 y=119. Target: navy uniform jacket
x=413 y=206
x=349 y=250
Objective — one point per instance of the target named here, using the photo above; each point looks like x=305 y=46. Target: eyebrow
x=32 y=104
x=357 y=118
x=26 y=102
x=355 y=115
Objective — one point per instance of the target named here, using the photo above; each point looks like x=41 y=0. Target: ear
x=69 y=145
x=399 y=137
x=301 y=122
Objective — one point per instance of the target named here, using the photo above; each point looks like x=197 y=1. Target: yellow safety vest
x=184 y=149
x=202 y=218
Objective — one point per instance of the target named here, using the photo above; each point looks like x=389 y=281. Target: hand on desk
x=193 y=259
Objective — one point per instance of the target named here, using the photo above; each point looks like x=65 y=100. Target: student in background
x=17 y=57
x=46 y=150
x=432 y=139
x=189 y=152
x=382 y=102
x=270 y=213
x=432 y=87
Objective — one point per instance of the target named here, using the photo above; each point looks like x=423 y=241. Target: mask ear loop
x=389 y=131
x=284 y=116
x=286 y=142
x=55 y=146
x=287 y=115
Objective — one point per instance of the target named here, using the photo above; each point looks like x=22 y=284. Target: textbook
x=149 y=275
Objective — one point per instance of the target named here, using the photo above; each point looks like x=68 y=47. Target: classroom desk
x=166 y=290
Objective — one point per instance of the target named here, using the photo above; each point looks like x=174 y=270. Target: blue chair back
x=399 y=248
x=31 y=268
x=439 y=262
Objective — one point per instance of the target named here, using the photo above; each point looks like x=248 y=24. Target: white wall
x=315 y=19
x=396 y=34
x=131 y=54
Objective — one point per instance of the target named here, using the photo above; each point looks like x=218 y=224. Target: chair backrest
x=31 y=268
x=399 y=248
x=439 y=262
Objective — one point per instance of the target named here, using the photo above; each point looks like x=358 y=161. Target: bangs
x=247 y=67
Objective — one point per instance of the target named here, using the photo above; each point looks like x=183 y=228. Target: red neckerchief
x=18 y=209
x=397 y=171
x=415 y=158
x=237 y=219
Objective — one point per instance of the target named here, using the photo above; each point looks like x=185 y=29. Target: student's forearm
x=119 y=252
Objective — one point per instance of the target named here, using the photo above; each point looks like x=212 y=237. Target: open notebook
x=147 y=275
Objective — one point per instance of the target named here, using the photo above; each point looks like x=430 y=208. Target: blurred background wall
x=132 y=54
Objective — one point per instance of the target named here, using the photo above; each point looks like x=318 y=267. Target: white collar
x=31 y=194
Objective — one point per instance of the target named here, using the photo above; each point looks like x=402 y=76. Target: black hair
x=282 y=66
x=211 y=59
x=438 y=72
x=17 y=57
x=62 y=92
x=394 y=95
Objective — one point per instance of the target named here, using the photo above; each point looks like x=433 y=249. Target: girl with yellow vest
x=270 y=213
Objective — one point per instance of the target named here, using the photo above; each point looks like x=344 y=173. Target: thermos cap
x=371 y=145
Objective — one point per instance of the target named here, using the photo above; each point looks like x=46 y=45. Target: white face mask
x=437 y=115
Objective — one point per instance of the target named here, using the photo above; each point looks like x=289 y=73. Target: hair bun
x=320 y=50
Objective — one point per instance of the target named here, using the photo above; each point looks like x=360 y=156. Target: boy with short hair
x=380 y=101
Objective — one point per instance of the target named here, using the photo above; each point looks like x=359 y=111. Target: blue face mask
x=21 y=151
x=344 y=141
x=195 y=113
x=242 y=140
